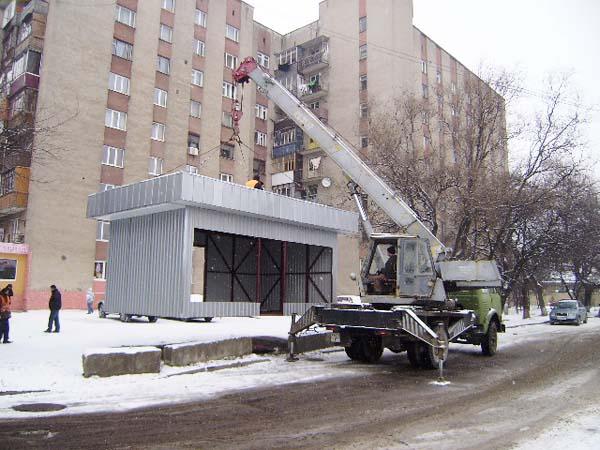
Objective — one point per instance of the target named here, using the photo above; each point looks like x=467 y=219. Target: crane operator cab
x=399 y=266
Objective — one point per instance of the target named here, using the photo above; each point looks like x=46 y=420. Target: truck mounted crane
x=419 y=300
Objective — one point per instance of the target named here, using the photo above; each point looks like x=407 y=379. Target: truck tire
x=152 y=319
x=124 y=317
x=372 y=348
x=430 y=357
x=414 y=351
x=355 y=350
x=208 y=319
x=101 y=312
x=489 y=344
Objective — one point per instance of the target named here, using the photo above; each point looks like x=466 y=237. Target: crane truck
x=413 y=296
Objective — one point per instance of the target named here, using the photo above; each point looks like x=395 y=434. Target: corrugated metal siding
x=146 y=274
x=182 y=188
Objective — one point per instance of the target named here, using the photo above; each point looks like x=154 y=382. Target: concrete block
x=195 y=352
x=109 y=362
x=311 y=342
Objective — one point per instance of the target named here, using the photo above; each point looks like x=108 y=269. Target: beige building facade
x=134 y=89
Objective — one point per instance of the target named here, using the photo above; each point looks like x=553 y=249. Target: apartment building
x=110 y=93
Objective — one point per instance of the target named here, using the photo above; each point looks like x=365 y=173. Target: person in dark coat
x=54 y=304
x=6 y=295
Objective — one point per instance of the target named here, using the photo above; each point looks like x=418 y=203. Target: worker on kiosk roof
x=255 y=183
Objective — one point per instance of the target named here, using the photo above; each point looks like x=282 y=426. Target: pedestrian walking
x=89 y=297
x=5 y=302
x=54 y=304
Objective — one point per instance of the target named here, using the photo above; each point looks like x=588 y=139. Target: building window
x=364 y=141
x=363 y=82
x=169 y=5
x=28 y=62
x=314 y=105
x=199 y=47
x=166 y=33
x=259 y=166
x=425 y=91
x=100 y=270
x=158 y=131
x=453 y=87
x=160 y=97
x=423 y=66
x=226 y=177
x=312 y=192
x=363 y=51
x=191 y=169
x=195 y=109
x=115 y=119
x=260 y=138
x=364 y=110
x=283 y=189
x=261 y=112
x=453 y=110
x=232 y=33
x=362 y=24
x=197 y=78
x=227 y=119
x=24 y=31
x=229 y=90
x=290 y=56
x=118 y=83
x=315 y=80
x=263 y=60
x=122 y=49
x=438 y=77
x=285 y=137
x=226 y=151
x=125 y=16
x=106 y=187
x=200 y=18
x=155 y=166
x=113 y=156
x=231 y=61
x=102 y=231
x=163 y=65
x=193 y=143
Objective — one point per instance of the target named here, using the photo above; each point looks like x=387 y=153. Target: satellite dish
x=326 y=182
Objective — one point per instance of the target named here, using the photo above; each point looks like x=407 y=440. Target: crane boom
x=339 y=150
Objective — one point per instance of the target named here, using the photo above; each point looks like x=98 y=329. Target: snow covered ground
x=51 y=363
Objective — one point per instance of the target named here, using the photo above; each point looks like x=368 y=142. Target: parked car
x=568 y=311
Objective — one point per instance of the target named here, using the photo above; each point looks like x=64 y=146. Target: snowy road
x=543 y=376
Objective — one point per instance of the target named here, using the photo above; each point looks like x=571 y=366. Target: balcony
x=315 y=62
x=29 y=80
x=311 y=93
x=287 y=149
x=287 y=141
x=14 y=191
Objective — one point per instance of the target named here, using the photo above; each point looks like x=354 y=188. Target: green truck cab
x=486 y=303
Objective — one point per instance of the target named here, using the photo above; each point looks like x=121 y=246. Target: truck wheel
x=372 y=348
x=101 y=312
x=124 y=317
x=355 y=351
x=489 y=344
x=431 y=356
x=152 y=319
x=208 y=319
x=414 y=351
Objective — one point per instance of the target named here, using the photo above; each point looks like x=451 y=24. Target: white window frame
x=199 y=47
x=226 y=177
x=232 y=33
x=260 y=138
x=195 y=109
x=118 y=83
x=106 y=187
x=125 y=16
x=102 y=271
x=115 y=119
x=363 y=82
x=424 y=66
x=161 y=59
x=263 y=59
x=197 y=78
x=160 y=97
x=113 y=156
x=262 y=112
x=168 y=5
x=231 y=61
x=364 y=111
x=227 y=119
x=363 y=51
x=230 y=148
x=122 y=49
x=200 y=18
x=438 y=76
x=155 y=166
x=315 y=105
x=166 y=33
x=229 y=90
x=102 y=231
x=158 y=131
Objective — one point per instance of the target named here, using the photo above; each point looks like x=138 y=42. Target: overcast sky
x=532 y=36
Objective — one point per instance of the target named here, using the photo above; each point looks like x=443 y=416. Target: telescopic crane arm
x=339 y=150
